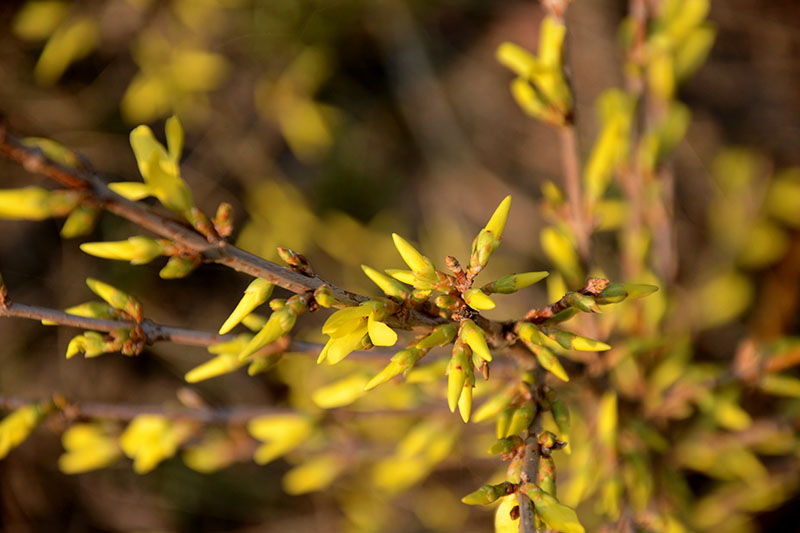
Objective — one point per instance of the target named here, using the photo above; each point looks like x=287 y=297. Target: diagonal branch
x=219 y=251
x=155 y=332
x=206 y=415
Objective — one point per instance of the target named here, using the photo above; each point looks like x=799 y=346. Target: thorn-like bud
x=116 y=298
x=81 y=221
x=217 y=366
x=440 y=336
x=490 y=236
x=492 y=406
x=401 y=363
x=178 y=267
x=617 y=292
x=488 y=494
x=476 y=339
x=138 y=250
x=404 y=276
x=478 y=300
x=547 y=359
x=513 y=282
x=582 y=302
x=521 y=419
x=279 y=324
x=418 y=263
x=256 y=293
x=389 y=286
x=458 y=370
x=263 y=363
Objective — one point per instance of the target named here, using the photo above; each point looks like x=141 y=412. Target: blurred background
x=329 y=125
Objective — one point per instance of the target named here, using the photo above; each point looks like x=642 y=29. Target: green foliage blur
x=330 y=126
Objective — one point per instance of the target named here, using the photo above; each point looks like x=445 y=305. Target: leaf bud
x=324 y=296
x=478 y=299
x=513 y=282
x=476 y=339
x=389 y=286
x=488 y=494
x=178 y=267
x=418 y=263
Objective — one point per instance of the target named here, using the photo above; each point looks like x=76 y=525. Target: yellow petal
x=380 y=333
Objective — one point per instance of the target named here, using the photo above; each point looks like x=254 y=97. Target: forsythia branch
x=217 y=251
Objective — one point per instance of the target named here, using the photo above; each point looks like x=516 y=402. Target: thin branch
x=530 y=461
x=219 y=251
x=593 y=287
x=217 y=415
x=155 y=332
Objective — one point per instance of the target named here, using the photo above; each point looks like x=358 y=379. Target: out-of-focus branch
x=216 y=415
x=593 y=287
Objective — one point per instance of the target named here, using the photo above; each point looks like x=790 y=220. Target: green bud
x=560 y=415
x=497 y=222
x=29 y=203
x=568 y=340
x=446 y=301
x=401 y=362
x=81 y=221
x=503 y=421
x=492 y=406
x=548 y=360
x=263 y=363
x=138 y=250
x=465 y=401
x=583 y=302
x=405 y=276
x=521 y=419
x=179 y=267
x=488 y=494
x=546 y=475
x=478 y=300
x=256 y=293
x=221 y=364
x=475 y=338
x=277 y=303
x=418 y=263
x=324 y=296
x=457 y=374
x=482 y=247
x=116 y=298
x=389 y=286
x=529 y=333
x=617 y=292
x=279 y=324
x=513 y=282
x=91 y=344
x=506 y=445
x=254 y=322
x=554 y=514
x=297 y=304
x=440 y=336
x=92 y=310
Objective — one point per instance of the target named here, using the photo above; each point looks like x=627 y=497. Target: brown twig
x=155 y=332
x=593 y=287
x=218 y=251
x=216 y=415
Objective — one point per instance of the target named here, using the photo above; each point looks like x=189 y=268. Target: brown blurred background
x=327 y=125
